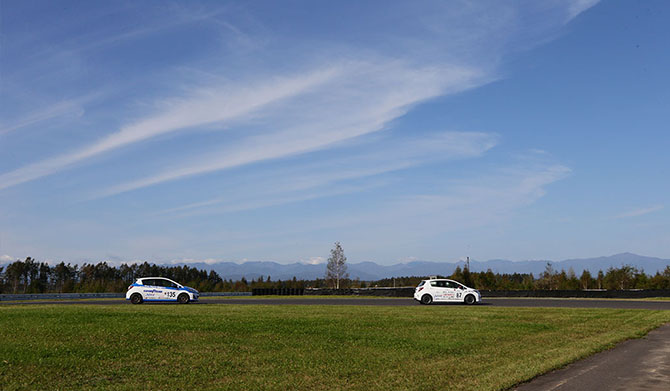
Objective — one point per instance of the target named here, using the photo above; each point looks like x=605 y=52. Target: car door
x=150 y=290
x=162 y=287
x=439 y=290
x=460 y=292
x=450 y=291
x=170 y=290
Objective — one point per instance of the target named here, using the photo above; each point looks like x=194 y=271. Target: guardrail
x=592 y=294
x=409 y=292
x=52 y=296
x=386 y=292
x=205 y=294
x=74 y=296
x=278 y=291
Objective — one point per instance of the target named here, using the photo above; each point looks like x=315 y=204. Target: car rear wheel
x=136 y=298
x=470 y=299
x=426 y=299
x=183 y=298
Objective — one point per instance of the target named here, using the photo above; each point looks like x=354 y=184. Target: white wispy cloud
x=485 y=198
x=256 y=201
x=413 y=220
x=204 y=107
x=640 y=212
x=66 y=108
x=364 y=92
x=576 y=7
x=362 y=98
x=6 y=258
x=47 y=52
x=315 y=180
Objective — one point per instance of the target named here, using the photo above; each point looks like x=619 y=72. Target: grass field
x=169 y=347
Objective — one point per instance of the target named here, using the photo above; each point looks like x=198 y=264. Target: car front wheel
x=183 y=298
x=426 y=299
x=136 y=298
x=470 y=299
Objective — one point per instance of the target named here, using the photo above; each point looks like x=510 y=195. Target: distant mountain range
x=368 y=271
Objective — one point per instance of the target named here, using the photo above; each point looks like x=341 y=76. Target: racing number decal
x=458 y=295
x=170 y=294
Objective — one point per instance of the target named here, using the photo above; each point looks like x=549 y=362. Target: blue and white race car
x=160 y=289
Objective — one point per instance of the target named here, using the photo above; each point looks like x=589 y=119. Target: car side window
x=148 y=282
x=434 y=283
x=450 y=284
x=168 y=284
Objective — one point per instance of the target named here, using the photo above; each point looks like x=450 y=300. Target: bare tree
x=336 y=269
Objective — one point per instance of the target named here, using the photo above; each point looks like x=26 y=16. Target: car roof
x=155 y=278
x=445 y=279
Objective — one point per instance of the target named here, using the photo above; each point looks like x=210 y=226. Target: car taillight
x=129 y=286
x=419 y=289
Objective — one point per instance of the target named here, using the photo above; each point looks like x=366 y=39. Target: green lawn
x=197 y=347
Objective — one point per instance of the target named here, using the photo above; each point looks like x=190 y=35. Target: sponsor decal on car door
x=443 y=291
x=450 y=294
x=437 y=290
x=169 y=292
x=457 y=291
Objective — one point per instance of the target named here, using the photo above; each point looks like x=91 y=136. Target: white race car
x=443 y=290
x=160 y=289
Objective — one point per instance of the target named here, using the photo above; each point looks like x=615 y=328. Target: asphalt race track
x=495 y=302
x=636 y=364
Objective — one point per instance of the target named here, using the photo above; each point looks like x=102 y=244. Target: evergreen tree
x=586 y=280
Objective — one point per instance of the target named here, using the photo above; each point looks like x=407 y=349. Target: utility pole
x=468 y=262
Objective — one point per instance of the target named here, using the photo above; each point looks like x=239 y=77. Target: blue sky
x=235 y=131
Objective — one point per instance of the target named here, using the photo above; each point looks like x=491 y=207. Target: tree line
x=30 y=276
x=614 y=278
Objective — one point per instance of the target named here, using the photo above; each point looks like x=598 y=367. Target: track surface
x=636 y=364
x=495 y=302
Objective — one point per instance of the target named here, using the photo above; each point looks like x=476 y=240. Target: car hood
x=188 y=288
